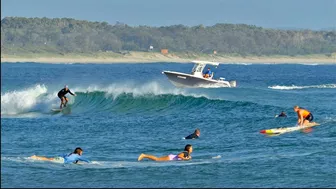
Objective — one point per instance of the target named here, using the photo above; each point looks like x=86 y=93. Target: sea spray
x=32 y=99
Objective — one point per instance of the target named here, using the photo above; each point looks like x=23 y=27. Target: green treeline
x=66 y=35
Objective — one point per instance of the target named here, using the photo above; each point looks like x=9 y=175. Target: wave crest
x=21 y=101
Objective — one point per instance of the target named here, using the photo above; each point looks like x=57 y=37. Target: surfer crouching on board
x=185 y=155
x=73 y=157
x=304 y=116
x=195 y=135
x=61 y=94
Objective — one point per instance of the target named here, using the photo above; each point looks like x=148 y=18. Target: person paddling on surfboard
x=304 y=116
x=282 y=114
x=73 y=157
x=61 y=94
x=195 y=135
x=185 y=155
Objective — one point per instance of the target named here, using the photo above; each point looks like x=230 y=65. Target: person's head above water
x=78 y=151
x=296 y=108
x=188 y=148
x=197 y=132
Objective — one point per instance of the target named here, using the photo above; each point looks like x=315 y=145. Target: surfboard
x=56 y=110
x=55 y=160
x=282 y=130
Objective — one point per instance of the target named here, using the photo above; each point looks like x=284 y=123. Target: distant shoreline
x=154 y=57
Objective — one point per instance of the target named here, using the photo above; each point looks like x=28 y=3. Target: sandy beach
x=151 y=57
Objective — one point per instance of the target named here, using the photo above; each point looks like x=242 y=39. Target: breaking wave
x=129 y=98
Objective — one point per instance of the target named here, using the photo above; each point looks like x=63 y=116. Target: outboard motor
x=233 y=83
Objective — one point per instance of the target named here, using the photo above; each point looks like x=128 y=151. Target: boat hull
x=190 y=81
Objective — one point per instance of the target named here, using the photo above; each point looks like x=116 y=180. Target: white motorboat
x=196 y=79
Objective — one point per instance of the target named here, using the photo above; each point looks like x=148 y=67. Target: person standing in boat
x=207 y=74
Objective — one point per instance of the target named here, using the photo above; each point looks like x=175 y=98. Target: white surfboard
x=56 y=110
x=277 y=131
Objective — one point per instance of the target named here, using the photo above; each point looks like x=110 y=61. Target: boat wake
x=294 y=87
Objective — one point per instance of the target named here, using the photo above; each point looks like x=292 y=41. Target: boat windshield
x=197 y=68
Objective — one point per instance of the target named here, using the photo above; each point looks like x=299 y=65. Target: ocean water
x=123 y=110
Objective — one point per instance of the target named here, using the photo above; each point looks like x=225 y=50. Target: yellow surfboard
x=282 y=130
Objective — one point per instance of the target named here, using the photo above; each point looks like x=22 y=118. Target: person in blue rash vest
x=61 y=94
x=73 y=157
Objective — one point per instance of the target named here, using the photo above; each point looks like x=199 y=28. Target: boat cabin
x=199 y=67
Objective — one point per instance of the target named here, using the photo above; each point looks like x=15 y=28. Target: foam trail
x=293 y=87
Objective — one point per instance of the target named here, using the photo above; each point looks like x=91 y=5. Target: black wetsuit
x=192 y=136
x=63 y=92
x=282 y=115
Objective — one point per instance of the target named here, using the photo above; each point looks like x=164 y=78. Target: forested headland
x=66 y=35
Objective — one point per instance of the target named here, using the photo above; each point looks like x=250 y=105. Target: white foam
x=293 y=87
x=18 y=101
x=39 y=99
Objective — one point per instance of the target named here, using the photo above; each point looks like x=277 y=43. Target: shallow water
x=123 y=110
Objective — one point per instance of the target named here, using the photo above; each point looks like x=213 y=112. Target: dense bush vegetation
x=63 y=35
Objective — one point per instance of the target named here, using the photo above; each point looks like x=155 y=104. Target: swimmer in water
x=282 y=114
x=195 y=135
x=185 y=155
x=73 y=157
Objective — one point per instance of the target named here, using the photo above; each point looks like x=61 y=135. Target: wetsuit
x=192 y=136
x=63 y=92
x=282 y=115
x=73 y=158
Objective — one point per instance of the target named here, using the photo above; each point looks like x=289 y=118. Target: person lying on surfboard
x=304 y=116
x=185 y=155
x=61 y=94
x=195 y=135
x=73 y=157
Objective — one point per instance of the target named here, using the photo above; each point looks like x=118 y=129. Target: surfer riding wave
x=61 y=94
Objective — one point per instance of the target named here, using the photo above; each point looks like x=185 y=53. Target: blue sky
x=287 y=14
